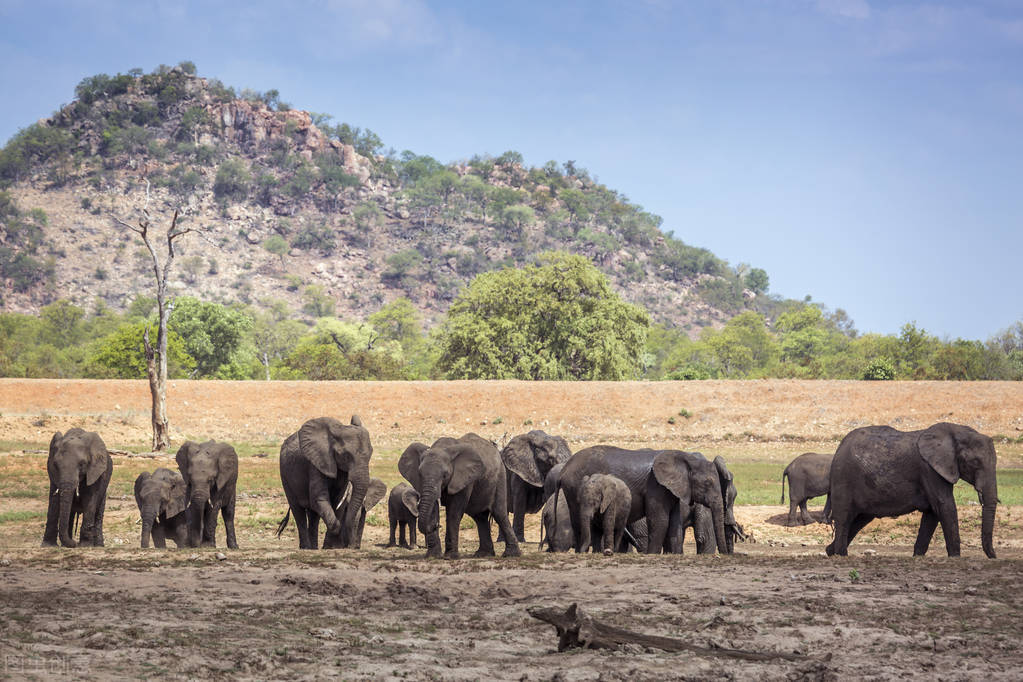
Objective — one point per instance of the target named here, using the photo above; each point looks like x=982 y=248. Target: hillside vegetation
x=322 y=255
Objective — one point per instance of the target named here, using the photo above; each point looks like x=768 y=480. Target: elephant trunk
x=354 y=511
x=149 y=514
x=585 y=529
x=429 y=520
x=196 y=512
x=717 y=510
x=67 y=494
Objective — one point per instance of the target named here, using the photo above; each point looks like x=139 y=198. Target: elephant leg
x=928 y=522
x=793 y=504
x=411 y=535
x=519 y=520
x=676 y=533
x=314 y=529
x=300 y=525
x=483 y=530
x=455 y=510
x=393 y=523
x=101 y=507
x=511 y=544
x=857 y=525
x=804 y=514
x=840 y=544
x=159 y=537
x=209 y=525
x=948 y=515
x=227 y=512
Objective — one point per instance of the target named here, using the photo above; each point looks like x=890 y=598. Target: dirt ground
x=267 y=611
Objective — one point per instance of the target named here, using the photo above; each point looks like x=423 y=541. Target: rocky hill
x=292 y=208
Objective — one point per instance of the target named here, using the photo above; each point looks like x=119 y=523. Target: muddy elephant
x=162 y=497
x=879 y=471
x=465 y=475
x=79 y=468
x=317 y=463
x=374 y=493
x=210 y=471
x=529 y=457
x=809 y=476
x=402 y=512
x=604 y=505
x=664 y=485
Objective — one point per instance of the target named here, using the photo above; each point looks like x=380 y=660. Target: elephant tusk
x=631 y=539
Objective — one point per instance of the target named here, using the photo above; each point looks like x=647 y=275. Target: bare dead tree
x=156 y=357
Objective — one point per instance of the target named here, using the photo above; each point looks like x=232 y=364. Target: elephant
x=465 y=475
x=374 y=493
x=210 y=471
x=611 y=497
x=402 y=511
x=702 y=520
x=162 y=497
x=79 y=467
x=559 y=539
x=529 y=457
x=880 y=471
x=317 y=463
x=809 y=476
x=664 y=485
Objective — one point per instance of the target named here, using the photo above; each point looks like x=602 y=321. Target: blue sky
x=868 y=154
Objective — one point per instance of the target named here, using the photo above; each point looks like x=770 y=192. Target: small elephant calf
x=611 y=496
x=402 y=512
x=162 y=499
x=809 y=476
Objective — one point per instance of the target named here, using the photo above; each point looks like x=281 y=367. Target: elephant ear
x=55 y=443
x=518 y=458
x=184 y=456
x=408 y=463
x=140 y=483
x=98 y=459
x=607 y=495
x=672 y=471
x=374 y=493
x=176 y=497
x=314 y=442
x=466 y=468
x=410 y=498
x=356 y=421
x=937 y=447
x=227 y=463
x=723 y=472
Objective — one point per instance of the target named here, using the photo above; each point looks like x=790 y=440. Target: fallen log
x=576 y=629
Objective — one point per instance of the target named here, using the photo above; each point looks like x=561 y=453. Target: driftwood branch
x=576 y=629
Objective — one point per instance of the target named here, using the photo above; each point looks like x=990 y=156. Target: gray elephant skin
x=79 y=468
x=879 y=471
x=529 y=458
x=809 y=476
x=466 y=476
x=402 y=512
x=558 y=538
x=665 y=484
x=374 y=493
x=317 y=463
x=162 y=497
x=604 y=506
x=702 y=520
x=210 y=471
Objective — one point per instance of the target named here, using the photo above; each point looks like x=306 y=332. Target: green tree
x=277 y=245
x=556 y=320
x=232 y=181
x=743 y=348
x=318 y=303
x=756 y=280
x=804 y=336
x=212 y=333
x=516 y=218
x=122 y=355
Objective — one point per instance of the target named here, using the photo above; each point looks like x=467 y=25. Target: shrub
x=879 y=369
x=232 y=181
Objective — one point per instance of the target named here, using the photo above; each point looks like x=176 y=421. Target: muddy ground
x=267 y=611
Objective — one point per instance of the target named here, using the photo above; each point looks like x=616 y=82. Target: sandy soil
x=269 y=612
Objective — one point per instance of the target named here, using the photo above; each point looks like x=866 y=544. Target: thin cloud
x=850 y=9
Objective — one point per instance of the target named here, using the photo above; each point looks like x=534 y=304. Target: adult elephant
x=374 y=493
x=809 y=476
x=210 y=471
x=79 y=468
x=529 y=458
x=465 y=475
x=664 y=485
x=162 y=497
x=317 y=463
x=880 y=471
x=702 y=520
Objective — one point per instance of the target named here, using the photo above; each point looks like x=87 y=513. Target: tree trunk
x=157 y=369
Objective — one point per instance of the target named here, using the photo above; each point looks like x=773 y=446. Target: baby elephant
x=402 y=512
x=161 y=497
x=809 y=476
x=611 y=497
x=374 y=493
x=559 y=538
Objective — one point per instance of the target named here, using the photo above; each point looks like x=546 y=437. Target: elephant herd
x=602 y=498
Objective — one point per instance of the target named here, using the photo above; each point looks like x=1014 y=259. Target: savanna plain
x=269 y=611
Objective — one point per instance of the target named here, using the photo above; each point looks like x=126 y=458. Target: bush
x=232 y=181
x=314 y=237
x=879 y=369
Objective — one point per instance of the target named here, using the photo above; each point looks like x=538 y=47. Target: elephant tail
x=539 y=547
x=284 y=523
x=784 y=474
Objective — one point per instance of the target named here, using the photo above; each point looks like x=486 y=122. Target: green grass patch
x=14 y=516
